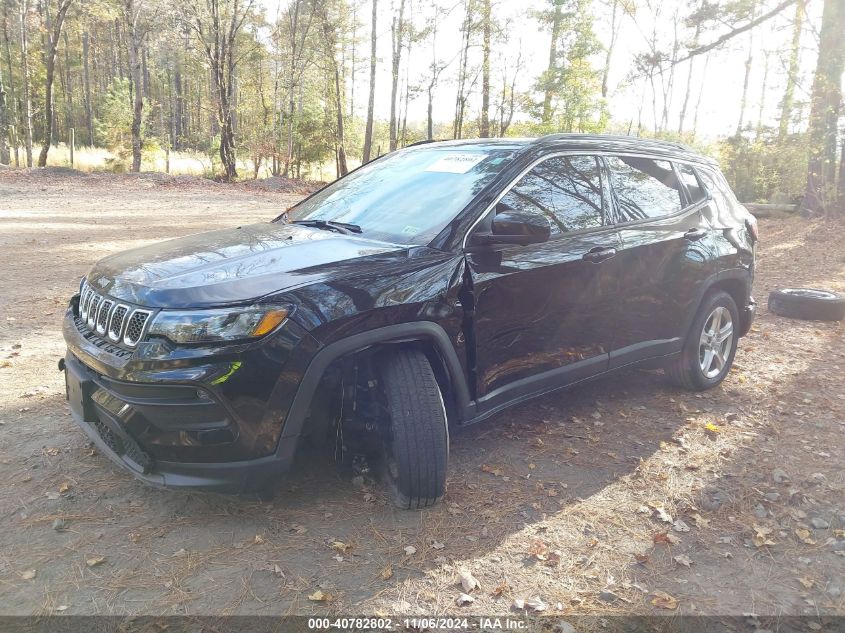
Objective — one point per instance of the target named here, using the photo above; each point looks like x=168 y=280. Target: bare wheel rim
x=714 y=345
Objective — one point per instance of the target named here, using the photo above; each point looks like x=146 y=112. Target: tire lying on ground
x=807 y=303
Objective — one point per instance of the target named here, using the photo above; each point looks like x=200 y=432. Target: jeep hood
x=233 y=265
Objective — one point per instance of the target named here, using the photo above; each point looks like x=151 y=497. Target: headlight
x=223 y=324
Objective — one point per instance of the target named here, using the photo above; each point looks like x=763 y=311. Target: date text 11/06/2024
x=420 y=623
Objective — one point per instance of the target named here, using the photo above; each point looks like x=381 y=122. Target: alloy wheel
x=714 y=345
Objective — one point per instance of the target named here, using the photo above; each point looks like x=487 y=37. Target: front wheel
x=416 y=436
x=709 y=350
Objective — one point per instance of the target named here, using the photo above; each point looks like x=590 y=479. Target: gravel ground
x=622 y=496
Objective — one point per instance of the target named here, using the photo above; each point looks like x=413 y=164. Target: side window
x=644 y=187
x=566 y=189
x=723 y=202
x=690 y=180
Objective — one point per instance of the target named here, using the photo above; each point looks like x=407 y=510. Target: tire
x=687 y=369
x=416 y=436
x=808 y=304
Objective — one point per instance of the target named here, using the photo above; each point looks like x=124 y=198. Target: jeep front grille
x=107 y=318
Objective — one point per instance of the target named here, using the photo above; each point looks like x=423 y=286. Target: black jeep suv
x=428 y=289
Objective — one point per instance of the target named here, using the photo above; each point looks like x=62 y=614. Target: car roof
x=593 y=142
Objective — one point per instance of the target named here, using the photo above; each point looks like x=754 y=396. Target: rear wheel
x=709 y=350
x=416 y=439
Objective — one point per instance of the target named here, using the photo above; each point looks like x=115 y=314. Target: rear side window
x=722 y=194
x=644 y=187
x=566 y=189
x=690 y=180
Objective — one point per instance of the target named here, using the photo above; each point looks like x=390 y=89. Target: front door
x=542 y=312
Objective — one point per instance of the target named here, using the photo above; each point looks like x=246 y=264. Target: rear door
x=664 y=257
x=541 y=311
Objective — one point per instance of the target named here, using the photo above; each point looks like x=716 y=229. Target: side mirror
x=511 y=226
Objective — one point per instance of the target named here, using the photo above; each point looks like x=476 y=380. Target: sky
x=721 y=86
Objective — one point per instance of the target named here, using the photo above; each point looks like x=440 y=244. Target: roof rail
x=423 y=142
x=562 y=136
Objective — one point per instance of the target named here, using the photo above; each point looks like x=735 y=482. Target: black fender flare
x=400 y=332
x=733 y=274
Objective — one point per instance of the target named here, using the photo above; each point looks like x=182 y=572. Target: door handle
x=693 y=235
x=599 y=254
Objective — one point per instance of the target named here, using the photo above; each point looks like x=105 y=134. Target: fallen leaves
x=410 y=550
x=29 y=574
x=682 y=559
x=468 y=581
x=95 y=561
x=807 y=583
x=662 y=514
x=712 y=428
x=666 y=537
x=761 y=536
x=663 y=600
x=535 y=604
x=491 y=470
x=803 y=535
x=386 y=573
x=320 y=596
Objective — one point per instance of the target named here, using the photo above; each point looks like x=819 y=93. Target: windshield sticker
x=454 y=163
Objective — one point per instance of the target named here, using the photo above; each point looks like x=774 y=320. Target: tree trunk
x=5 y=157
x=820 y=194
x=27 y=100
x=460 y=101
x=179 y=111
x=429 y=121
x=50 y=62
x=700 y=93
x=67 y=86
x=397 y=31
x=842 y=174
x=614 y=33
x=131 y=13
x=763 y=90
x=11 y=110
x=748 y=62
x=330 y=41
x=683 y=114
x=368 y=132
x=792 y=72
x=547 y=96
x=86 y=78
x=486 y=17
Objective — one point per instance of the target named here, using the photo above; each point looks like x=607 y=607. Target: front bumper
x=747 y=317
x=96 y=406
x=200 y=417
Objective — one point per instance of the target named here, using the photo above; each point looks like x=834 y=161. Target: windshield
x=409 y=196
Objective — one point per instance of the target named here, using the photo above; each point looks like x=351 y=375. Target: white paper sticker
x=455 y=163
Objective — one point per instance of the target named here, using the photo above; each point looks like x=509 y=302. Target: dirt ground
x=623 y=496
